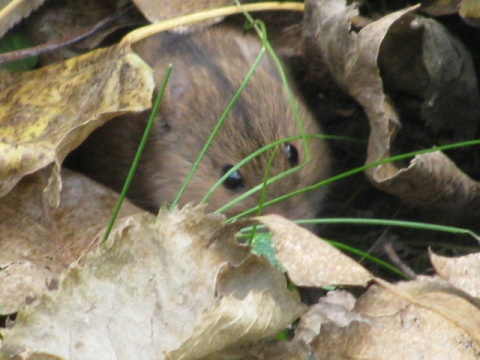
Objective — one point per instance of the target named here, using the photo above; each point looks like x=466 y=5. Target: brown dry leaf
x=425 y=318
x=12 y=11
x=309 y=260
x=37 y=243
x=156 y=11
x=176 y=288
x=336 y=308
x=431 y=180
x=46 y=113
x=462 y=272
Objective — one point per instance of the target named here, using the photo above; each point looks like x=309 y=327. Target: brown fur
x=208 y=69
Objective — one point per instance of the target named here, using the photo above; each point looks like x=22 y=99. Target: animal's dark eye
x=235 y=180
x=292 y=154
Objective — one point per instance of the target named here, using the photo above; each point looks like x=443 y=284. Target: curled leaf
x=461 y=272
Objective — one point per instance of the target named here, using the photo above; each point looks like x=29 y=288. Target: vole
x=208 y=68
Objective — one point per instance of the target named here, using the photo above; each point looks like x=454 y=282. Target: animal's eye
x=235 y=180
x=292 y=154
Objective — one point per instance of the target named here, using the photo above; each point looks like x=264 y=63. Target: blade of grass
x=396 y=223
x=372 y=258
x=264 y=191
x=259 y=26
x=265 y=179
x=384 y=222
x=138 y=154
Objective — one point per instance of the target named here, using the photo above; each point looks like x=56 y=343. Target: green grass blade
x=367 y=256
x=138 y=154
x=263 y=194
x=395 y=223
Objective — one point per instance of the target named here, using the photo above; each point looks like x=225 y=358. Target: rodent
x=208 y=68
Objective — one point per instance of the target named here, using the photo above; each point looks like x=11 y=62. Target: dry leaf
x=49 y=240
x=462 y=272
x=431 y=180
x=309 y=260
x=425 y=318
x=335 y=308
x=12 y=11
x=152 y=293
x=46 y=113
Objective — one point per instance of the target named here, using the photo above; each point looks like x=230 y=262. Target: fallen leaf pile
x=182 y=285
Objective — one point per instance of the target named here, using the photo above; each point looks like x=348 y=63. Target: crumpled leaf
x=178 y=288
x=336 y=307
x=425 y=318
x=431 y=180
x=462 y=272
x=11 y=12
x=46 y=113
x=50 y=239
x=309 y=260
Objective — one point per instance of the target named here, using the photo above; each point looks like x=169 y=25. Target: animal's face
x=234 y=143
x=207 y=72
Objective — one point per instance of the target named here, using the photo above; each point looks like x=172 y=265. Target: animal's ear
x=154 y=50
x=250 y=46
x=179 y=85
x=182 y=90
